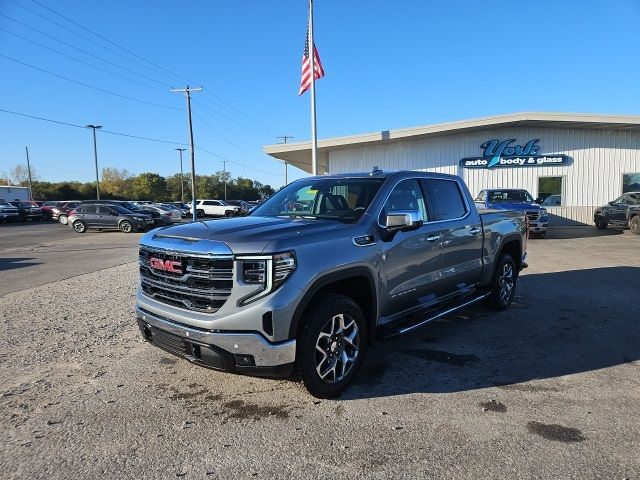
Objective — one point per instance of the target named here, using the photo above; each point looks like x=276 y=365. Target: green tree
x=149 y=186
x=116 y=183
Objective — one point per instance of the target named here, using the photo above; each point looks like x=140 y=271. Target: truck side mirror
x=403 y=220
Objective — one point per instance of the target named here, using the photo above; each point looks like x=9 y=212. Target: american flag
x=305 y=82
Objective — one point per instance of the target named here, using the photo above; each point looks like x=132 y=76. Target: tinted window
x=120 y=210
x=102 y=210
x=89 y=209
x=208 y=202
x=446 y=199
x=407 y=195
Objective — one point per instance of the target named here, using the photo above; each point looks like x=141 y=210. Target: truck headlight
x=267 y=271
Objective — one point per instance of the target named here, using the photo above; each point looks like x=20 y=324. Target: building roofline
x=299 y=153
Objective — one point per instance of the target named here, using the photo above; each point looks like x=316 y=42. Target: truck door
x=410 y=261
x=618 y=211
x=460 y=231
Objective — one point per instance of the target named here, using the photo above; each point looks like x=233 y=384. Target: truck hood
x=513 y=206
x=251 y=235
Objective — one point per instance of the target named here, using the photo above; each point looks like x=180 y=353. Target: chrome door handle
x=433 y=238
x=474 y=231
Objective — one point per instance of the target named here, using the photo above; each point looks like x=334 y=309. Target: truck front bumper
x=246 y=352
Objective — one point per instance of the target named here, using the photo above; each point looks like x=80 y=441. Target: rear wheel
x=503 y=286
x=634 y=224
x=331 y=345
x=79 y=226
x=601 y=223
x=199 y=213
x=63 y=219
x=125 y=226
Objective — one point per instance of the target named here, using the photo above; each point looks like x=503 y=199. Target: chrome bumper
x=265 y=354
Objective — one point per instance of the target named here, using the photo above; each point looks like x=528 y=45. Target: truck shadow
x=560 y=324
x=13 y=263
x=564 y=233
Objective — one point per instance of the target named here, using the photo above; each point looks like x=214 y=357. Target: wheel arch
x=356 y=283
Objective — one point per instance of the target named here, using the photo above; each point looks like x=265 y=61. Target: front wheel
x=503 y=285
x=79 y=226
x=228 y=213
x=126 y=227
x=634 y=224
x=601 y=223
x=63 y=219
x=331 y=345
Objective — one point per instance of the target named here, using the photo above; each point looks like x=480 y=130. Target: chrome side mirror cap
x=403 y=220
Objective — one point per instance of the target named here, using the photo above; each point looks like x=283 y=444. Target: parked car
x=244 y=206
x=61 y=211
x=518 y=200
x=166 y=215
x=376 y=255
x=184 y=212
x=108 y=217
x=8 y=213
x=132 y=207
x=29 y=211
x=622 y=212
x=215 y=208
x=184 y=208
x=552 y=201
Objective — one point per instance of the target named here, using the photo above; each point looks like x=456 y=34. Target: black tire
x=543 y=234
x=228 y=213
x=79 y=226
x=634 y=224
x=125 y=226
x=323 y=318
x=199 y=213
x=63 y=219
x=503 y=285
x=601 y=223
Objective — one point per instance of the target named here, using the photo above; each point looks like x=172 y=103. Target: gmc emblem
x=171 y=266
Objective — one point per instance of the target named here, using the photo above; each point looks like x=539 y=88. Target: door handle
x=474 y=231
x=433 y=238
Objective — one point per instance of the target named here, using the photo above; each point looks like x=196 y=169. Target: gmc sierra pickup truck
x=371 y=255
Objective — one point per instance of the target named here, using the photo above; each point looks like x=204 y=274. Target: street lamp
x=95 y=154
x=180 y=150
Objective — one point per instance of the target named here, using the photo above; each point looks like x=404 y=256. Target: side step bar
x=389 y=332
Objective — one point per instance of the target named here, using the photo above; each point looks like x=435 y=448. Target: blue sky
x=388 y=65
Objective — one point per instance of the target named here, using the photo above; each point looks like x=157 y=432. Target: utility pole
x=187 y=91
x=286 y=181
x=224 y=169
x=285 y=138
x=95 y=155
x=180 y=150
x=29 y=172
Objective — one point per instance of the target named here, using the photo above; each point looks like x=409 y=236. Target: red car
x=62 y=210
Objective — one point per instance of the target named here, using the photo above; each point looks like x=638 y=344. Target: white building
x=586 y=160
x=9 y=194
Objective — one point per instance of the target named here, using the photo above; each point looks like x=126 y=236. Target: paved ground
x=548 y=389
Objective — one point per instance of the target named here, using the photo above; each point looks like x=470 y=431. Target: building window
x=630 y=182
x=550 y=191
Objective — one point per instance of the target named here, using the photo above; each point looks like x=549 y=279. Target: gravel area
x=548 y=389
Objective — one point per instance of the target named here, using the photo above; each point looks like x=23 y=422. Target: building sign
x=498 y=153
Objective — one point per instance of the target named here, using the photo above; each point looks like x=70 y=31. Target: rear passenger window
x=446 y=199
x=89 y=209
x=102 y=210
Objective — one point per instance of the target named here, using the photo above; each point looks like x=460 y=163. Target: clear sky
x=389 y=64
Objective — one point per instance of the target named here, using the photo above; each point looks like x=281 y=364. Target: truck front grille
x=533 y=215
x=200 y=283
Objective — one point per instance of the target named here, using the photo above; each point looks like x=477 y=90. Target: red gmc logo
x=171 y=266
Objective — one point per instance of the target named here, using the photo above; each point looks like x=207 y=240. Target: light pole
x=180 y=150
x=95 y=155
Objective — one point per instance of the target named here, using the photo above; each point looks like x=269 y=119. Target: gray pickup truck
x=323 y=267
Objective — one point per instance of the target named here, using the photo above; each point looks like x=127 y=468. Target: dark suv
x=622 y=212
x=29 y=211
x=108 y=217
x=61 y=211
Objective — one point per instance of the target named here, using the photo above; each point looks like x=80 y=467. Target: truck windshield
x=512 y=196
x=344 y=199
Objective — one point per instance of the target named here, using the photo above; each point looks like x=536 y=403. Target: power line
x=81 y=50
x=85 y=37
x=80 y=61
x=87 y=85
x=226 y=105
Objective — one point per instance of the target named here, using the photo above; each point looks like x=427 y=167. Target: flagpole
x=314 y=138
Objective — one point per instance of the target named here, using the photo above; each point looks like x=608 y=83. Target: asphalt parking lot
x=548 y=389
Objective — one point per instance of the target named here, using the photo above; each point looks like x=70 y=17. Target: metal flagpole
x=314 y=139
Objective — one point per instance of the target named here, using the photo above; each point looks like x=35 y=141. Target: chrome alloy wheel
x=337 y=348
x=506 y=283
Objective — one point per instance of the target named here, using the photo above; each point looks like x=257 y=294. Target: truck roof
x=376 y=173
